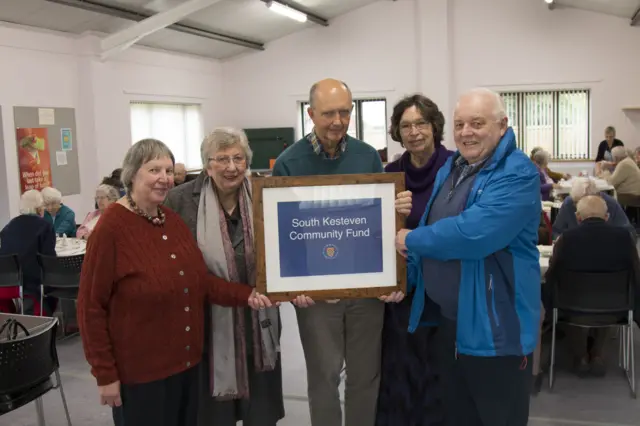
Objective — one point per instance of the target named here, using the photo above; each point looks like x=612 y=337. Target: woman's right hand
x=110 y=394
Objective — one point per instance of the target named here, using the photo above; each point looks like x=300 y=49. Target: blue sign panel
x=330 y=237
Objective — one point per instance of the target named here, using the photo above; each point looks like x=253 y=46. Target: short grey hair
x=592 y=206
x=31 y=201
x=582 y=187
x=108 y=191
x=141 y=153
x=636 y=151
x=541 y=157
x=499 y=109
x=223 y=138
x=619 y=153
x=51 y=195
x=610 y=130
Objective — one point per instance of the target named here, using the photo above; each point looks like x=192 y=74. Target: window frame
x=520 y=119
x=359 y=121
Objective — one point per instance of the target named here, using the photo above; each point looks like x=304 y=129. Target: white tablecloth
x=565 y=185
x=70 y=247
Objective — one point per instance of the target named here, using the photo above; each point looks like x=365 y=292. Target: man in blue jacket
x=475 y=255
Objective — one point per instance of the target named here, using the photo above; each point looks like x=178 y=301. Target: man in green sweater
x=337 y=331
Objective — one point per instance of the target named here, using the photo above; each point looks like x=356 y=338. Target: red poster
x=33 y=158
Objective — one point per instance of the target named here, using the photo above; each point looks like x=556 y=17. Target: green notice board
x=267 y=144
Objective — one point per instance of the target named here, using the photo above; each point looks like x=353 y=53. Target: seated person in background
x=541 y=160
x=604 y=158
x=105 y=195
x=636 y=155
x=544 y=230
x=27 y=235
x=60 y=216
x=114 y=180
x=179 y=174
x=626 y=175
x=555 y=176
x=593 y=246
x=582 y=187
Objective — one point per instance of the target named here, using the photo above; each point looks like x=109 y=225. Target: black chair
x=11 y=274
x=27 y=364
x=587 y=295
x=60 y=277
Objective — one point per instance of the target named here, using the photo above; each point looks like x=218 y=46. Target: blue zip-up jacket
x=495 y=239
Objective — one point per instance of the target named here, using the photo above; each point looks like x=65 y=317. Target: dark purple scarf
x=419 y=180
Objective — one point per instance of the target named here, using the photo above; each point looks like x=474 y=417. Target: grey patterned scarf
x=228 y=354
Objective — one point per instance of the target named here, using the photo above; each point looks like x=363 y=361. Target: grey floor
x=574 y=401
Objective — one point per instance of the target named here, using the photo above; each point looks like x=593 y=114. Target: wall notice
x=33 y=158
x=46 y=116
x=65 y=138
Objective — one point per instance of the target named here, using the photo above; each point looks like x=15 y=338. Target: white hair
x=108 y=191
x=541 y=157
x=582 y=186
x=499 y=109
x=223 y=138
x=619 y=153
x=592 y=206
x=31 y=201
x=51 y=195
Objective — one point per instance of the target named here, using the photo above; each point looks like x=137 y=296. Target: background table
x=70 y=247
x=565 y=186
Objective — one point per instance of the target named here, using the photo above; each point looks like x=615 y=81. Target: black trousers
x=168 y=402
x=481 y=391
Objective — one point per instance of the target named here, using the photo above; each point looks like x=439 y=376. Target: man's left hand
x=403 y=203
x=400 y=241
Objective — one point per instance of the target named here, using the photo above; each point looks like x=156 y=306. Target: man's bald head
x=330 y=106
x=592 y=206
x=479 y=123
x=326 y=87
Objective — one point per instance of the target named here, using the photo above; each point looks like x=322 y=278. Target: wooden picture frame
x=393 y=266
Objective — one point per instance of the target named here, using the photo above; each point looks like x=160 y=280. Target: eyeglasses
x=226 y=160
x=408 y=127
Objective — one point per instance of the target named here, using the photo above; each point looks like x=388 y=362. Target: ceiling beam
x=122 y=13
x=310 y=16
x=123 y=39
x=635 y=19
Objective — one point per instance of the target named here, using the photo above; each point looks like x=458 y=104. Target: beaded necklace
x=157 y=220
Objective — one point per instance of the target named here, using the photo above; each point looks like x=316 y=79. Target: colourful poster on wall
x=33 y=158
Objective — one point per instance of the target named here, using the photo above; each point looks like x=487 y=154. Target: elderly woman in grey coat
x=241 y=370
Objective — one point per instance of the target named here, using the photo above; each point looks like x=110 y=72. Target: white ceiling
x=248 y=20
x=620 y=8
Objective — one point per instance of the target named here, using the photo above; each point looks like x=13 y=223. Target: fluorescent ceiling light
x=548 y=1
x=287 y=11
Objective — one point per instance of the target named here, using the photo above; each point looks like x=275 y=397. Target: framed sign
x=328 y=237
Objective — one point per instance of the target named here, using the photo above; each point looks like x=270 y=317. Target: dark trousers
x=482 y=391
x=167 y=402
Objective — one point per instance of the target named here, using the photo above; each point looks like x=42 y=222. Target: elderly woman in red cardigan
x=142 y=295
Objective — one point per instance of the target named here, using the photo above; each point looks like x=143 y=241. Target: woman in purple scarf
x=408 y=386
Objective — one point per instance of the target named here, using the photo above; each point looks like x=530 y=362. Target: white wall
x=441 y=48
x=52 y=69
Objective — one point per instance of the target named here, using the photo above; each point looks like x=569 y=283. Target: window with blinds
x=557 y=121
x=179 y=126
x=368 y=121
